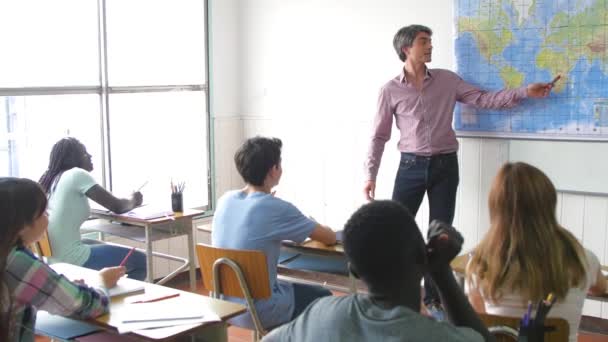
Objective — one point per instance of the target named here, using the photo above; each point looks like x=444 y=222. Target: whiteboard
x=571 y=166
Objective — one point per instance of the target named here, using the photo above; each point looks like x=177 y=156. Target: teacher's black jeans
x=438 y=177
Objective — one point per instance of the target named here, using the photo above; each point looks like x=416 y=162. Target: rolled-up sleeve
x=506 y=98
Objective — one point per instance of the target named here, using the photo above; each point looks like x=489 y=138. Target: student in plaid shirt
x=27 y=284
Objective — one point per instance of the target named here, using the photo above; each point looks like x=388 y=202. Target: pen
x=156 y=299
x=142 y=186
x=555 y=80
x=122 y=263
x=528 y=313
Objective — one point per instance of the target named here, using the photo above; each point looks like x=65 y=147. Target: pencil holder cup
x=177 y=202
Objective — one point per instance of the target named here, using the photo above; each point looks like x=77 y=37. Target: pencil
x=156 y=299
x=142 y=186
x=122 y=263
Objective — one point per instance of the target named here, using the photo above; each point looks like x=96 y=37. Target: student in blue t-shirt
x=252 y=218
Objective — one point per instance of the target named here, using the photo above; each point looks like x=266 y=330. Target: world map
x=511 y=43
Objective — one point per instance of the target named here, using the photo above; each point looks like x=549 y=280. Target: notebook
x=61 y=327
x=124 y=285
x=151 y=315
x=146 y=212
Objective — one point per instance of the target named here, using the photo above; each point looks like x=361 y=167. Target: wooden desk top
x=459 y=264
x=106 y=214
x=225 y=310
x=316 y=247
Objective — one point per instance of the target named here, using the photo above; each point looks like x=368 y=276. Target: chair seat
x=326 y=264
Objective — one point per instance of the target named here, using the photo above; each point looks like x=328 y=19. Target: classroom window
x=127 y=78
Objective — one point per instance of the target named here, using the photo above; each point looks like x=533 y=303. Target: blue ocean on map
x=509 y=44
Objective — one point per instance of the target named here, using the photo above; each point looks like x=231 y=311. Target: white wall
x=225 y=96
x=309 y=71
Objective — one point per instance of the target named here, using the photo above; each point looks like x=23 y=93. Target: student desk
x=225 y=310
x=149 y=230
x=320 y=249
x=459 y=265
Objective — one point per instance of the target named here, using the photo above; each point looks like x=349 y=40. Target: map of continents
x=510 y=43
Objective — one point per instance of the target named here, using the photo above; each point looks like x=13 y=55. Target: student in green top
x=69 y=184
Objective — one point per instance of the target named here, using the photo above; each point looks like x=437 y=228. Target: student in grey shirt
x=387 y=251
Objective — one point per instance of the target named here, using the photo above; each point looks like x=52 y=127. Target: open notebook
x=162 y=314
x=148 y=212
x=124 y=285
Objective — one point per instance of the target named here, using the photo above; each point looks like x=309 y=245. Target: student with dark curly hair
x=386 y=250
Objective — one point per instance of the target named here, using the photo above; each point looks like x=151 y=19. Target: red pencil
x=122 y=263
x=156 y=299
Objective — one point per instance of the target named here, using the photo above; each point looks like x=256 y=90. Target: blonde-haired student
x=27 y=284
x=526 y=254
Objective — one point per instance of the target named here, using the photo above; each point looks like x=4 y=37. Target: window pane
x=156 y=42
x=159 y=137
x=48 y=43
x=34 y=123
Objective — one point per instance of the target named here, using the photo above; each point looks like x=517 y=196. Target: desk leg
x=150 y=268
x=191 y=257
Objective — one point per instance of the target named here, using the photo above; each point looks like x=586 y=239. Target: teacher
x=422 y=101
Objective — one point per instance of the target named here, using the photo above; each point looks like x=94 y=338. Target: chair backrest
x=42 y=247
x=252 y=264
x=560 y=334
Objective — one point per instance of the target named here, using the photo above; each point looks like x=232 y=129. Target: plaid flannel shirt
x=33 y=286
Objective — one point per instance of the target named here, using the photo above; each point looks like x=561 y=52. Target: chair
x=236 y=273
x=42 y=247
x=506 y=328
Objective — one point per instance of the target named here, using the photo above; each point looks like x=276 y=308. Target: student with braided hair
x=69 y=184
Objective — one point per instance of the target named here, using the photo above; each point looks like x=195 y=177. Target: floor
x=236 y=334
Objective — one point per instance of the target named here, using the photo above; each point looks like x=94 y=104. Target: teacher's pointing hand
x=539 y=90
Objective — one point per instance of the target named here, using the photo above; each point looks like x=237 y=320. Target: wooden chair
x=236 y=273
x=42 y=247
x=506 y=328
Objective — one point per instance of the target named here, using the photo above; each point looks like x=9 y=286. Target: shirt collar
x=403 y=78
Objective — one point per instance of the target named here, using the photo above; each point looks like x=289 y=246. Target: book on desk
x=123 y=286
x=143 y=212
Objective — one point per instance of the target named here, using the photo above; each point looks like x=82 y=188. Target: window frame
x=103 y=89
